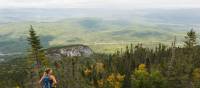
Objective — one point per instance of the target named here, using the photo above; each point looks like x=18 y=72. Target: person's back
x=46 y=83
x=48 y=80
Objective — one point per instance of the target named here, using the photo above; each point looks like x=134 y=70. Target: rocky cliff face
x=68 y=51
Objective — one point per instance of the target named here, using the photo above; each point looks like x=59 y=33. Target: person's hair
x=47 y=71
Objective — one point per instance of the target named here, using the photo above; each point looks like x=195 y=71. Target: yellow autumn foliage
x=141 y=71
x=142 y=67
x=115 y=80
x=99 y=67
x=120 y=77
x=196 y=74
x=87 y=72
x=100 y=83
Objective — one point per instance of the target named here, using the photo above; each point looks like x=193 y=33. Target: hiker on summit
x=48 y=80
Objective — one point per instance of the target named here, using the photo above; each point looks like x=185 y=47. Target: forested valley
x=134 y=66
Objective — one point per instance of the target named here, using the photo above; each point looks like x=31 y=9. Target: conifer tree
x=190 y=39
x=127 y=68
x=36 y=52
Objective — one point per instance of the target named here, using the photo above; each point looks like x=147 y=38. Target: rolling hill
x=94 y=27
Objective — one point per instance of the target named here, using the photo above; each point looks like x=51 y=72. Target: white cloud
x=128 y=4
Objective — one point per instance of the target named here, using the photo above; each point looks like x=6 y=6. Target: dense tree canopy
x=135 y=67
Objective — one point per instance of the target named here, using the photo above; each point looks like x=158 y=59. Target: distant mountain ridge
x=87 y=26
x=51 y=15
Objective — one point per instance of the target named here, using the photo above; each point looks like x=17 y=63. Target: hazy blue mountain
x=188 y=16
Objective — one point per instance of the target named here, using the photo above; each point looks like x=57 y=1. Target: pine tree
x=127 y=68
x=190 y=39
x=36 y=52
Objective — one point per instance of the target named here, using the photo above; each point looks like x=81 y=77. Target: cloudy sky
x=120 y=4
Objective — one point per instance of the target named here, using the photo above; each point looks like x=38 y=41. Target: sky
x=119 y=4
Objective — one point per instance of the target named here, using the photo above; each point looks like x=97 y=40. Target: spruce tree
x=127 y=68
x=190 y=39
x=36 y=52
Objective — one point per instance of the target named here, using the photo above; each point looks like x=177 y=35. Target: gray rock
x=68 y=51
